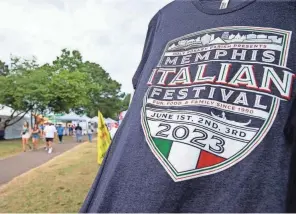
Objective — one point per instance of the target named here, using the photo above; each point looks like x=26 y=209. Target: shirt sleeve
x=152 y=28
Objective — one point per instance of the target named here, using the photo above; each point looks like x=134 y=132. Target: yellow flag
x=104 y=139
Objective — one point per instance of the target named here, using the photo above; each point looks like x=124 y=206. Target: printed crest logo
x=214 y=96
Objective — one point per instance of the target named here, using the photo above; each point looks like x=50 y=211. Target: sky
x=108 y=32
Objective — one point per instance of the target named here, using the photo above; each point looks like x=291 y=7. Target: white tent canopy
x=13 y=131
x=85 y=118
x=70 y=117
x=94 y=119
x=5 y=111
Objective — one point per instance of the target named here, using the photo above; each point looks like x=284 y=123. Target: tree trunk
x=6 y=123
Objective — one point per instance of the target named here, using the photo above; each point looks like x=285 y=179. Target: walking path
x=16 y=165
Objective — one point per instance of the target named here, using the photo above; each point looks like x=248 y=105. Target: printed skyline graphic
x=226 y=38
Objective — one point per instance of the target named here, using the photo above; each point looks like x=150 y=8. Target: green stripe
x=164 y=146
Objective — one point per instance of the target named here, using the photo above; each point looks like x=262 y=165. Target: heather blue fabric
x=131 y=179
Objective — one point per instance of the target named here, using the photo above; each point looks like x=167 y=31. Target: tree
x=66 y=84
x=3 y=68
x=14 y=95
x=104 y=93
x=125 y=102
x=37 y=89
x=68 y=60
x=69 y=90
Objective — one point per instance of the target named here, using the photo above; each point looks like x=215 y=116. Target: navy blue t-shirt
x=205 y=131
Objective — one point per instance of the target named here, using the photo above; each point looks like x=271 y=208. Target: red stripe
x=207 y=159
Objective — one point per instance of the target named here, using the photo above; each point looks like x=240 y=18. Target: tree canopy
x=66 y=84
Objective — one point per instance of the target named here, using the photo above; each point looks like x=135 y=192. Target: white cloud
x=109 y=32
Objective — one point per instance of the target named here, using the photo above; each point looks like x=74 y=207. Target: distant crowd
x=48 y=132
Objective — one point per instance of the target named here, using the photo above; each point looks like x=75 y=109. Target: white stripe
x=183 y=157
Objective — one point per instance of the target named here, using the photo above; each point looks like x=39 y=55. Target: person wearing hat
x=50 y=132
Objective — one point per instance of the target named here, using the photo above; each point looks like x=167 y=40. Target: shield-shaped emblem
x=203 y=113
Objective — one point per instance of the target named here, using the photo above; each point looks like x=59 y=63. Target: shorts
x=49 y=139
x=35 y=136
x=26 y=136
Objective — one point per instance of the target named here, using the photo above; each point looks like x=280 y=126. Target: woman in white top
x=25 y=136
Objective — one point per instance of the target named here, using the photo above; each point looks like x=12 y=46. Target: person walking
x=25 y=136
x=78 y=131
x=35 y=136
x=66 y=133
x=60 y=131
x=41 y=128
x=90 y=133
x=50 y=132
x=70 y=130
x=73 y=130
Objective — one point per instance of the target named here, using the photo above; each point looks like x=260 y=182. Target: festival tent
x=5 y=111
x=94 y=122
x=84 y=123
x=75 y=120
x=94 y=119
x=13 y=131
x=70 y=117
x=85 y=118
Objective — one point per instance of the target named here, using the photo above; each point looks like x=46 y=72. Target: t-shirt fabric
x=25 y=130
x=78 y=130
x=50 y=131
x=60 y=130
x=211 y=125
x=35 y=131
x=89 y=131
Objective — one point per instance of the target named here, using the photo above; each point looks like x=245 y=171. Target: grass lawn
x=12 y=147
x=58 y=186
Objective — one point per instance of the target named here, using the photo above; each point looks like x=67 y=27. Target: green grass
x=10 y=147
x=58 y=186
x=13 y=147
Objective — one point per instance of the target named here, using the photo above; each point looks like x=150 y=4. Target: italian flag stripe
x=207 y=159
x=164 y=146
x=183 y=157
